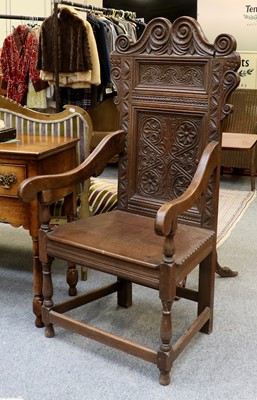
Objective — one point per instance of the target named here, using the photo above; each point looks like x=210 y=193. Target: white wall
x=40 y=8
x=238 y=18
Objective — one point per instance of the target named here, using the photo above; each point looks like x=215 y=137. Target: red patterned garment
x=18 y=63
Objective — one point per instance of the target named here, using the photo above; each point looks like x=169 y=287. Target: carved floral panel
x=167 y=154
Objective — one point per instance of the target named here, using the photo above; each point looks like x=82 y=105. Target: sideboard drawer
x=11 y=175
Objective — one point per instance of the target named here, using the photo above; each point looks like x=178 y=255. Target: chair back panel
x=172 y=87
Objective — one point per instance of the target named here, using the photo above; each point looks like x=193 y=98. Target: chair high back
x=171 y=91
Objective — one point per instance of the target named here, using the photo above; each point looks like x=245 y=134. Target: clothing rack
x=94 y=8
x=82 y=7
x=22 y=17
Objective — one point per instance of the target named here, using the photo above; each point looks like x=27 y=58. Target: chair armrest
x=166 y=218
x=92 y=166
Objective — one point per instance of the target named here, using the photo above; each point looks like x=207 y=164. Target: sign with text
x=248 y=70
x=238 y=18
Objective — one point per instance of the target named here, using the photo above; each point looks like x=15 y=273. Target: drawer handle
x=6 y=180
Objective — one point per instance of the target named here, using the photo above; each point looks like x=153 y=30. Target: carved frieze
x=171 y=75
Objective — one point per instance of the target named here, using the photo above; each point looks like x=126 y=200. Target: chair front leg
x=47 y=294
x=167 y=293
x=164 y=361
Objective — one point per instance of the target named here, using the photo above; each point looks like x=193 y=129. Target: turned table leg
x=37 y=284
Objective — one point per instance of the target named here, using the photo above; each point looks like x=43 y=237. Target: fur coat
x=79 y=79
x=73 y=47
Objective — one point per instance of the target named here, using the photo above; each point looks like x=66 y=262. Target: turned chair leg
x=47 y=294
x=164 y=361
x=72 y=279
x=167 y=294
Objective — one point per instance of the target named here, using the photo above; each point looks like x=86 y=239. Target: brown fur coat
x=73 y=49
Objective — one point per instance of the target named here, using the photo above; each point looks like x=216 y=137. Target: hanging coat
x=18 y=63
x=73 y=48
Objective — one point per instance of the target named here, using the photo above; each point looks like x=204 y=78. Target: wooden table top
x=39 y=146
x=238 y=141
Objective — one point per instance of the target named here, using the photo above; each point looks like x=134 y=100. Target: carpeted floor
x=232 y=205
x=220 y=366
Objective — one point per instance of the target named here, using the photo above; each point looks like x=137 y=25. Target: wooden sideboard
x=29 y=156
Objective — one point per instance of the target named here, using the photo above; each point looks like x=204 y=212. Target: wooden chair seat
x=83 y=241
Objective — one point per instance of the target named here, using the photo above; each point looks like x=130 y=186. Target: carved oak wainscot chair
x=172 y=87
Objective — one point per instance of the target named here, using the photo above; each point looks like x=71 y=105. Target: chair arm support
x=166 y=218
x=95 y=163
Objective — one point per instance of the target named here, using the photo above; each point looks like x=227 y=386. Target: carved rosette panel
x=159 y=152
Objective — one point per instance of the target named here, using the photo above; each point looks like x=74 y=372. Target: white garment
x=36 y=99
